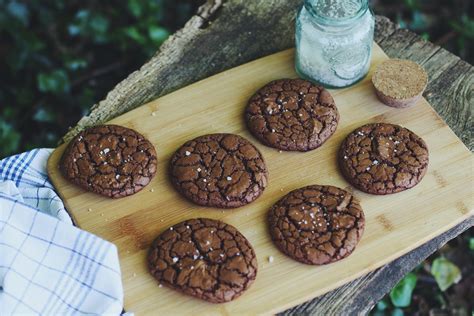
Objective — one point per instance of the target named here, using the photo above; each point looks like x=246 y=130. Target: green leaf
x=465 y=27
x=419 y=21
x=74 y=29
x=157 y=34
x=445 y=273
x=382 y=305
x=75 y=64
x=402 y=292
x=135 y=8
x=397 y=312
x=44 y=116
x=82 y=15
x=9 y=138
x=471 y=243
x=98 y=24
x=51 y=137
x=134 y=34
x=79 y=24
x=19 y=11
x=412 y=4
x=56 y=81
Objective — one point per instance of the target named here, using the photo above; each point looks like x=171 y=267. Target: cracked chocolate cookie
x=317 y=224
x=110 y=160
x=219 y=170
x=292 y=115
x=205 y=258
x=383 y=158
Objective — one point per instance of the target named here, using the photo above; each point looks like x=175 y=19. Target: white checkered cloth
x=48 y=266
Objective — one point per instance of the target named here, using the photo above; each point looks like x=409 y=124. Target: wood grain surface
x=396 y=224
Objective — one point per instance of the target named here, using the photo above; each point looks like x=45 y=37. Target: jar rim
x=336 y=21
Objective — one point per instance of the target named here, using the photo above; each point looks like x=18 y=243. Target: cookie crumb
x=152 y=190
x=89 y=209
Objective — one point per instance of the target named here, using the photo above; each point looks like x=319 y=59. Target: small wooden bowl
x=399 y=83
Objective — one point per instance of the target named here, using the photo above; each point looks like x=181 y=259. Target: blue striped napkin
x=48 y=266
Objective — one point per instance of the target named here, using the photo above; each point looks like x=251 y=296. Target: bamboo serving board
x=395 y=224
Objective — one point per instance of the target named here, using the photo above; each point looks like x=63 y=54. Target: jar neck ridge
x=315 y=9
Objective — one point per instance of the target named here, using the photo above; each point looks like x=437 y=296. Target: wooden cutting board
x=395 y=224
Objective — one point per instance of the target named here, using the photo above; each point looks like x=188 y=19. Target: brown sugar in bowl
x=399 y=83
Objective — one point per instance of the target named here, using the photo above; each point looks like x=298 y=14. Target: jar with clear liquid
x=334 y=41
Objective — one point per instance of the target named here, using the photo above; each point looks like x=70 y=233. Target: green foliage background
x=60 y=57
x=57 y=58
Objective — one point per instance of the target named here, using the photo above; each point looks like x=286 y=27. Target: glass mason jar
x=334 y=41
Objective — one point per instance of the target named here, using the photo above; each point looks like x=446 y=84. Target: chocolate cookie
x=219 y=170
x=110 y=160
x=292 y=115
x=204 y=258
x=383 y=158
x=317 y=224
